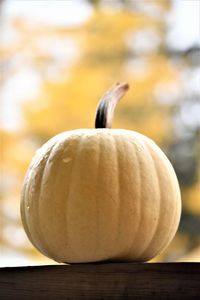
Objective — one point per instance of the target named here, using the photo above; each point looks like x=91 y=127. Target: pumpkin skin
x=100 y=194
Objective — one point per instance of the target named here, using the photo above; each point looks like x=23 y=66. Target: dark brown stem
x=107 y=104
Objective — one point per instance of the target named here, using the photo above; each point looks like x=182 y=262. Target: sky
x=184 y=24
x=56 y=13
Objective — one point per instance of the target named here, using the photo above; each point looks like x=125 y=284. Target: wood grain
x=102 y=281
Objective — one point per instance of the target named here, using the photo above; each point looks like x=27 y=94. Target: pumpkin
x=101 y=194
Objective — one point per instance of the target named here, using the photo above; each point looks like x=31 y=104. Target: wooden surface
x=102 y=281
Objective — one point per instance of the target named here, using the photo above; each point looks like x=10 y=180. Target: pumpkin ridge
x=23 y=213
x=40 y=228
x=26 y=204
x=66 y=197
x=23 y=205
x=160 y=189
x=172 y=223
x=27 y=190
x=106 y=193
x=59 y=151
x=139 y=200
x=171 y=229
x=80 y=140
x=158 y=204
x=96 y=189
x=118 y=186
x=172 y=220
x=175 y=213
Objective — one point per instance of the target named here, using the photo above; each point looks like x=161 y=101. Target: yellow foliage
x=106 y=31
x=192 y=198
x=175 y=250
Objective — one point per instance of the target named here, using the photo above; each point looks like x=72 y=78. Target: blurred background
x=57 y=58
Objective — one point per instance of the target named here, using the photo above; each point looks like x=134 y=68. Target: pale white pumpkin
x=100 y=194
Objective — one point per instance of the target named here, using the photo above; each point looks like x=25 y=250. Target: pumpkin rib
x=24 y=205
x=82 y=254
x=44 y=243
x=98 y=198
x=29 y=224
x=56 y=169
x=49 y=157
x=80 y=140
x=118 y=187
x=66 y=197
x=105 y=222
x=123 y=145
x=96 y=188
x=172 y=228
x=134 y=206
x=173 y=223
x=165 y=242
x=153 y=235
x=23 y=214
x=140 y=193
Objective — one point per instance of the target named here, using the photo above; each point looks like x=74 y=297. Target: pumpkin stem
x=107 y=104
